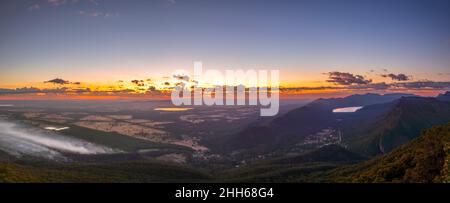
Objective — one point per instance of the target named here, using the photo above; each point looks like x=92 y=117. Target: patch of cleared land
x=173 y=157
x=120 y=117
x=191 y=143
x=122 y=124
x=96 y=118
x=125 y=128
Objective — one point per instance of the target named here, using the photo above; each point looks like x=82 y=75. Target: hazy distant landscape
x=225 y=91
x=309 y=142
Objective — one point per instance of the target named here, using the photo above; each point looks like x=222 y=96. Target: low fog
x=19 y=140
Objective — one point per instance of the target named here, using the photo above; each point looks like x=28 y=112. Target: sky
x=318 y=46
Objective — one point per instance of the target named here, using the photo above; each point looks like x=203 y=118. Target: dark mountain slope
x=396 y=123
x=28 y=169
x=292 y=127
x=425 y=159
x=444 y=97
x=328 y=153
x=320 y=112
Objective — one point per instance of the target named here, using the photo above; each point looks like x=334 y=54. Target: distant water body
x=347 y=109
x=172 y=109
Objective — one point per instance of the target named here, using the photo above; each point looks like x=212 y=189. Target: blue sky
x=107 y=40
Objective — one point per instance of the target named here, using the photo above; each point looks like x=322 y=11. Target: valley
x=220 y=144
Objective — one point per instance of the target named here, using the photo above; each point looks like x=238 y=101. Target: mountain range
x=444 y=97
x=382 y=138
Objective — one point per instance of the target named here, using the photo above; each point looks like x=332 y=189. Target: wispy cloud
x=31 y=90
x=342 y=78
x=90 y=6
x=420 y=85
x=34 y=7
x=139 y=83
x=97 y=14
x=396 y=77
x=51 y=3
x=18 y=140
x=59 y=81
x=94 y=2
x=61 y=2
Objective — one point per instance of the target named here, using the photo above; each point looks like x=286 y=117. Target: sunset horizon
x=86 y=48
x=225 y=99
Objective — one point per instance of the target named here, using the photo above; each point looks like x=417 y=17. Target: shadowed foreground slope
x=425 y=159
x=114 y=171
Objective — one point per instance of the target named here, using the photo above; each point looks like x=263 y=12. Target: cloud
x=20 y=90
x=61 y=2
x=85 y=3
x=56 y=3
x=59 y=81
x=398 y=77
x=34 y=7
x=81 y=90
x=139 y=83
x=31 y=90
x=97 y=14
x=422 y=85
x=417 y=85
x=371 y=86
x=18 y=140
x=181 y=77
x=93 y=2
x=342 y=78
